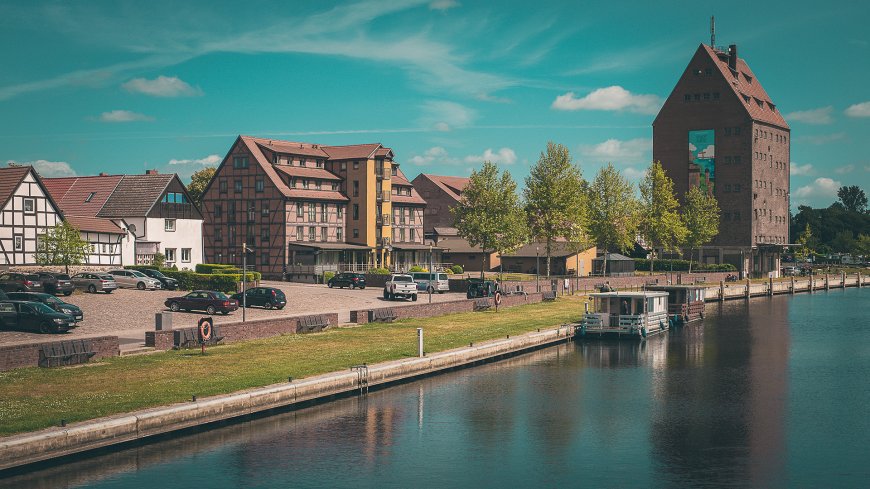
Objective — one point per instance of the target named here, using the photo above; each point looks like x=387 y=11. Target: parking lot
x=129 y=313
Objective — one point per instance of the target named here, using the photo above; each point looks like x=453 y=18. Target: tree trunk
x=549 y=247
x=652 y=261
x=604 y=264
x=691 y=255
x=483 y=265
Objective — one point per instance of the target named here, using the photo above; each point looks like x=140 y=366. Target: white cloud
x=821 y=190
x=844 y=169
x=823 y=138
x=123 y=116
x=443 y=5
x=609 y=98
x=210 y=160
x=801 y=170
x=821 y=115
x=162 y=86
x=435 y=154
x=504 y=156
x=47 y=168
x=618 y=149
x=859 y=110
x=633 y=174
x=444 y=116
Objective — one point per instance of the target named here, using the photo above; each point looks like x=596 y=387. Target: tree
x=61 y=245
x=853 y=198
x=555 y=201
x=489 y=214
x=198 y=181
x=660 y=223
x=612 y=211
x=701 y=218
x=807 y=244
x=159 y=260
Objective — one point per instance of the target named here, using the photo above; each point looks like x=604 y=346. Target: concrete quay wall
x=56 y=442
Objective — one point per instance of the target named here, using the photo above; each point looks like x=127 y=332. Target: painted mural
x=702 y=160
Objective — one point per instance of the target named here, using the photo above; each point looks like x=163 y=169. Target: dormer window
x=90 y=196
x=301 y=161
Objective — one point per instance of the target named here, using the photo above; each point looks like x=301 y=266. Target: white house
x=28 y=211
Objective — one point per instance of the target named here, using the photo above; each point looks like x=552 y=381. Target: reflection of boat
x=632 y=315
x=685 y=302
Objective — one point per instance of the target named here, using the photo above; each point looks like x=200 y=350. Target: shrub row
x=643 y=265
x=224 y=278
x=214 y=268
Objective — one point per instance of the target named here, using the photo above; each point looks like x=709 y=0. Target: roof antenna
x=713 y=31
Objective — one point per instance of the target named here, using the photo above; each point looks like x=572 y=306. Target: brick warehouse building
x=720 y=130
x=306 y=208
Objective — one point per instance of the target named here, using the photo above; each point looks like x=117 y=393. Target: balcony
x=382 y=219
x=383 y=241
x=382 y=195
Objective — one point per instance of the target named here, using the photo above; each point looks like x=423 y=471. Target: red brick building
x=720 y=130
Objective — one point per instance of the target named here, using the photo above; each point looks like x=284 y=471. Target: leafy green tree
x=701 y=218
x=613 y=211
x=555 y=201
x=853 y=198
x=807 y=244
x=159 y=260
x=862 y=245
x=198 y=181
x=660 y=224
x=843 y=242
x=489 y=215
x=61 y=245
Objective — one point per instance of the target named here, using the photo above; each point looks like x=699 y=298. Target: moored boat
x=632 y=315
x=685 y=302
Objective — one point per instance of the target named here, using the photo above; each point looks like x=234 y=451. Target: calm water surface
x=773 y=393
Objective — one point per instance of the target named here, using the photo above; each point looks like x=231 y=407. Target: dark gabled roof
x=290 y=147
x=135 y=195
x=452 y=186
x=94 y=224
x=10 y=179
x=399 y=180
x=72 y=193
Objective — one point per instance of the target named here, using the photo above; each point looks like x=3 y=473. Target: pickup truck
x=400 y=286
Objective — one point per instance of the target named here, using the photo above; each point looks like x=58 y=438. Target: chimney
x=732 y=57
x=104 y=174
x=151 y=172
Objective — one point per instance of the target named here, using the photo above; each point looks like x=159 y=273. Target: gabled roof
x=400 y=180
x=558 y=249
x=457 y=245
x=72 y=193
x=10 y=179
x=304 y=172
x=452 y=186
x=353 y=151
x=135 y=195
x=94 y=224
x=290 y=147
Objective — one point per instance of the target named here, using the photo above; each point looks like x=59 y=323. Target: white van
x=436 y=281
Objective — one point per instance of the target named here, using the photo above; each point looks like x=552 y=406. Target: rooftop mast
x=713 y=32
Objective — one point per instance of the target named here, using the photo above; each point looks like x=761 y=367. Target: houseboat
x=685 y=302
x=632 y=315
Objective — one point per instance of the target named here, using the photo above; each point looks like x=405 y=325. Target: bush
x=327 y=276
x=457 y=269
x=666 y=265
x=224 y=282
x=379 y=271
x=212 y=267
x=416 y=268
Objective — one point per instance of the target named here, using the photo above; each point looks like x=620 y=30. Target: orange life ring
x=497 y=298
x=205 y=329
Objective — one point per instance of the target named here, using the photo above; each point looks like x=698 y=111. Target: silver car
x=94 y=282
x=134 y=278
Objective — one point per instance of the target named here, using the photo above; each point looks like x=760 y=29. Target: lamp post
x=244 y=279
x=537 y=269
x=431 y=274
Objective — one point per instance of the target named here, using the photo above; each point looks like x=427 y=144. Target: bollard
x=721 y=290
x=770 y=286
x=420 y=342
x=859 y=280
x=748 y=288
x=827 y=282
x=843 y=280
x=792 y=284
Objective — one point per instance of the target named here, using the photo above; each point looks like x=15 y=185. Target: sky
x=120 y=87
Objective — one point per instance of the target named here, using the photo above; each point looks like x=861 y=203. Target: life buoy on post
x=205 y=329
x=497 y=298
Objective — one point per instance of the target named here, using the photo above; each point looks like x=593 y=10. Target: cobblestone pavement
x=129 y=313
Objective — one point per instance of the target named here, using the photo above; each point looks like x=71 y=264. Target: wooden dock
x=771 y=287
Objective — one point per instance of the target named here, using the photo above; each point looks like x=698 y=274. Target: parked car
x=267 y=297
x=790 y=271
x=49 y=300
x=34 y=316
x=56 y=283
x=400 y=286
x=481 y=288
x=20 y=282
x=95 y=282
x=347 y=279
x=209 y=301
x=167 y=283
x=134 y=278
x=437 y=282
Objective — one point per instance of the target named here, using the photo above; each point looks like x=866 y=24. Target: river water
x=769 y=393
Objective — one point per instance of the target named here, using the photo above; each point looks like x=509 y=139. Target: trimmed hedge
x=224 y=282
x=457 y=269
x=416 y=268
x=214 y=268
x=666 y=265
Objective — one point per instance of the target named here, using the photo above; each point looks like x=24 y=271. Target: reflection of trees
x=554 y=401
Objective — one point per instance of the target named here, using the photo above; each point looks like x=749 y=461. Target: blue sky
x=123 y=86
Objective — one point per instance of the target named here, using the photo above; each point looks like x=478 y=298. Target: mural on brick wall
x=702 y=160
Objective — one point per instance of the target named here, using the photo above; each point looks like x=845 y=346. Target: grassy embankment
x=36 y=398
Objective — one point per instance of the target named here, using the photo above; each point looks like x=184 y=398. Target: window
x=356 y=165
x=29 y=205
x=737 y=159
x=339 y=209
x=222 y=186
x=304 y=183
x=19 y=242
x=169 y=252
x=312 y=233
x=231 y=211
x=339 y=234
x=240 y=162
x=218 y=211
x=324 y=211
x=411 y=235
x=324 y=234
x=237 y=186
x=169 y=225
x=252 y=211
x=264 y=212
x=715 y=95
x=299 y=233
x=175 y=198
x=185 y=255
x=356 y=212
x=356 y=188
x=259 y=185
x=737 y=131
x=300 y=209
x=90 y=196
x=318 y=163
x=356 y=233
x=264 y=233
x=218 y=234
x=312 y=212
x=688 y=97
x=697 y=97
x=317 y=185
x=302 y=162
x=264 y=258
x=727 y=131
x=707 y=96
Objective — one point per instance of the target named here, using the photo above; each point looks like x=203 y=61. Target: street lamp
x=537 y=269
x=245 y=251
x=431 y=274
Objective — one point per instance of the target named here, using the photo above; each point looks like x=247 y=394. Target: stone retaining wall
x=27 y=355
x=425 y=310
x=233 y=332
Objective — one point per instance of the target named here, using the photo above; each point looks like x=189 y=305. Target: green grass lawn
x=36 y=398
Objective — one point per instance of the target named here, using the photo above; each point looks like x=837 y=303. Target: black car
x=165 y=282
x=49 y=300
x=34 y=316
x=56 y=283
x=210 y=301
x=20 y=282
x=347 y=279
x=267 y=297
